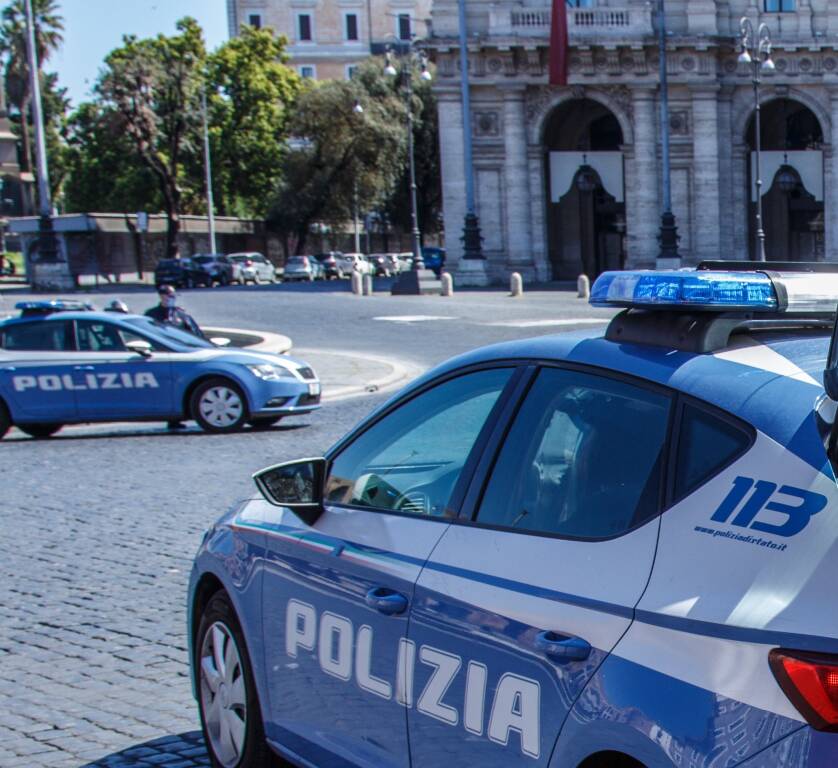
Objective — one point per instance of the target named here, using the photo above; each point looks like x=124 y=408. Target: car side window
x=39 y=336
x=706 y=444
x=410 y=460
x=583 y=458
x=98 y=336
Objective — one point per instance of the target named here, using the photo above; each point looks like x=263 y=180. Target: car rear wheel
x=264 y=423
x=231 y=718
x=218 y=405
x=39 y=430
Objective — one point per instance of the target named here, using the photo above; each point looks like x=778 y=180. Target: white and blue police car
x=578 y=551
x=63 y=363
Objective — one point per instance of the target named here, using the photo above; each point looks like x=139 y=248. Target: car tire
x=311 y=278
x=256 y=279
x=233 y=705
x=5 y=419
x=264 y=423
x=39 y=431
x=218 y=405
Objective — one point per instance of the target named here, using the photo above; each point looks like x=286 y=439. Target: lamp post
x=208 y=172
x=410 y=282
x=668 y=236
x=756 y=51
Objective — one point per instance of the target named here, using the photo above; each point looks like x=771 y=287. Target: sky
x=93 y=28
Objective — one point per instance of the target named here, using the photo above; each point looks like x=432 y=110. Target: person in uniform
x=167 y=311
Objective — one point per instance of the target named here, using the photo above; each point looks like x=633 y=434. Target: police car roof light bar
x=49 y=306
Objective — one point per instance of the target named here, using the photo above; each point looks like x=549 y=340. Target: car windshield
x=170 y=263
x=204 y=259
x=168 y=334
x=238 y=257
x=297 y=260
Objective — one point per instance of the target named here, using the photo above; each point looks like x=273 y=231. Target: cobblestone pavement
x=98 y=527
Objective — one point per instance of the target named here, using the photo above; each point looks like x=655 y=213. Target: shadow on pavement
x=185 y=750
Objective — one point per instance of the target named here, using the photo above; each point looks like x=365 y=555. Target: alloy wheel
x=221 y=406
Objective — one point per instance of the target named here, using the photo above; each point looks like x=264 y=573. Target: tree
x=48 y=28
x=251 y=92
x=340 y=156
x=154 y=85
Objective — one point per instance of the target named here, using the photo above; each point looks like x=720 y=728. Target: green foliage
x=251 y=92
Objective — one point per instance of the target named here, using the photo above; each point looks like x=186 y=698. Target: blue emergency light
x=48 y=306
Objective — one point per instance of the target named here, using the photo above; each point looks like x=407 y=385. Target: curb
x=257 y=341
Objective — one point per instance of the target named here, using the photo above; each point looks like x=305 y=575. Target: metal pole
x=668 y=230
x=472 y=241
x=355 y=214
x=208 y=171
x=416 y=242
x=758 y=130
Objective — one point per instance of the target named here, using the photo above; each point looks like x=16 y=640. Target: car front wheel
x=39 y=430
x=230 y=715
x=218 y=405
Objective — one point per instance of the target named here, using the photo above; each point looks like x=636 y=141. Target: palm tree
x=48 y=28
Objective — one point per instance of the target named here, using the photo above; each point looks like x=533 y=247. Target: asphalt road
x=99 y=524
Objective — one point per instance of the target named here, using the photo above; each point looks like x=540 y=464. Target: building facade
x=328 y=38
x=568 y=180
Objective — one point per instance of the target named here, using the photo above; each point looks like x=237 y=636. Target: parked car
x=385 y=264
x=252 y=268
x=216 y=265
x=303 y=268
x=181 y=273
x=434 y=258
x=355 y=262
x=331 y=263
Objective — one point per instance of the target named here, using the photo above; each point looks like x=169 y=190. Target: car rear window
x=707 y=443
x=41 y=336
x=203 y=259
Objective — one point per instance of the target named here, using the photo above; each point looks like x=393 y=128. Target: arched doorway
x=792 y=182
x=585 y=191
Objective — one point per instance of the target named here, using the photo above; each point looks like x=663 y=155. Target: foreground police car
x=62 y=363
x=590 y=549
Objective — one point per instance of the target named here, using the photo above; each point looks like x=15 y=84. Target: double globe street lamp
x=756 y=52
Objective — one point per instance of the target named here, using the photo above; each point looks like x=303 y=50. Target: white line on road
x=413 y=318
x=550 y=323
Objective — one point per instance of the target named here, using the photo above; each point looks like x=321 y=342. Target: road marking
x=413 y=318
x=551 y=323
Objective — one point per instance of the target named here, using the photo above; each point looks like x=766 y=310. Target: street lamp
x=756 y=52
x=668 y=236
x=409 y=281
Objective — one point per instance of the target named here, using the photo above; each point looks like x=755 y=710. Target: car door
x=520 y=602
x=116 y=382
x=337 y=598
x=37 y=369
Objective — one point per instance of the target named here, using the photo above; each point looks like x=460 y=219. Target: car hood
x=238 y=356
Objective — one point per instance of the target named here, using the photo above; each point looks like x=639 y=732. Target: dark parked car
x=217 y=266
x=330 y=261
x=434 y=258
x=181 y=273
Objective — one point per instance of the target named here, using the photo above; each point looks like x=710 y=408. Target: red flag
x=558 y=43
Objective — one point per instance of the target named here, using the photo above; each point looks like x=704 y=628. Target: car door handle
x=562 y=647
x=84 y=368
x=386 y=601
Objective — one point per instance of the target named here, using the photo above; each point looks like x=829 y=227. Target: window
x=706 y=444
x=411 y=459
x=404 y=31
x=304 y=27
x=580 y=3
x=308 y=71
x=255 y=20
x=583 y=458
x=351 y=26
x=97 y=336
x=780 y=6
x=40 y=336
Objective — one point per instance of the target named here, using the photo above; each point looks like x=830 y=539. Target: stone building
x=568 y=179
x=328 y=38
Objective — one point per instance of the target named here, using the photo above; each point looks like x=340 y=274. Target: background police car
x=435 y=611
x=59 y=367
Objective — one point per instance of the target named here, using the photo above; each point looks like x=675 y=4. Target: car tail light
x=810 y=680
x=248 y=263
x=305 y=261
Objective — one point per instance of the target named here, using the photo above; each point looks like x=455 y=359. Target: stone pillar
x=741 y=211
x=538 y=213
x=830 y=172
x=450 y=111
x=726 y=198
x=706 y=192
x=642 y=198
x=516 y=184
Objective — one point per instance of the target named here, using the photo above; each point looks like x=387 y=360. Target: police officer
x=167 y=311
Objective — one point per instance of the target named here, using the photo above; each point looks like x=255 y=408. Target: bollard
x=583 y=287
x=516 y=285
x=447 y=284
x=366 y=283
x=356 y=282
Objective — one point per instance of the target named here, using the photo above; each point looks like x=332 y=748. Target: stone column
x=516 y=184
x=538 y=211
x=450 y=110
x=726 y=198
x=706 y=191
x=741 y=211
x=830 y=173
x=642 y=198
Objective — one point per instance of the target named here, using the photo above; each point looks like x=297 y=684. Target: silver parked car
x=357 y=262
x=252 y=267
x=303 y=268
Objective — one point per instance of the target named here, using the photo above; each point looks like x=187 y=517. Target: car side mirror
x=297 y=485
x=139 y=347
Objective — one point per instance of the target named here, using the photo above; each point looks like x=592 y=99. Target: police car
x=594 y=549
x=62 y=363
